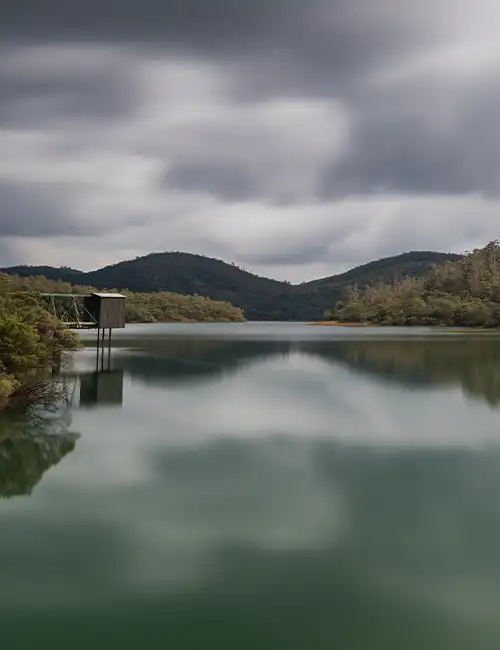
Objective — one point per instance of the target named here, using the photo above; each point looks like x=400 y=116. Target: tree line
x=463 y=293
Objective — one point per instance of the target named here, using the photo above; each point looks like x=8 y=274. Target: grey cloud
x=44 y=210
x=8 y=253
x=33 y=94
x=179 y=21
x=24 y=103
x=275 y=43
x=32 y=210
x=327 y=48
x=400 y=147
x=315 y=251
x=220 y=179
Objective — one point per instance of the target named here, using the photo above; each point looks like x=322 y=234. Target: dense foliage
x=461 y=293
x=142 y=307
x=30 y=338
x=163 y=306
x=260 y=298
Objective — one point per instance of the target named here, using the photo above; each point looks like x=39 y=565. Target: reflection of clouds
x=299 y=396
x=288 y=459
x=472 y=598
x=266 y=496
x=407 y=526
x=198 y=502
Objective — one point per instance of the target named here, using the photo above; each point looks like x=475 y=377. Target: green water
x=259 y=486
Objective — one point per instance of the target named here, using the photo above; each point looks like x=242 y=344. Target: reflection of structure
x=104 y=388
x=94 y=388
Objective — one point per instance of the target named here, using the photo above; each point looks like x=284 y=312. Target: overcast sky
x=296 y=138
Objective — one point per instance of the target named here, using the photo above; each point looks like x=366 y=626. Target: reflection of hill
x=472 y=363
x=179 y=360
x=28 y=450
x=446 y=360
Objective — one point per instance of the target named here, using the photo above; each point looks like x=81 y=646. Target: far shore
x=337 y=323
x=449 y=329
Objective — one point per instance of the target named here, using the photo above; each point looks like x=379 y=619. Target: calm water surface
x=259 y=486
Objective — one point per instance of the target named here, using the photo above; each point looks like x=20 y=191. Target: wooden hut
x=107 y=309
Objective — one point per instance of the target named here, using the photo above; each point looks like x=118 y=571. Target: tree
x=30 y=338
x=465 y=292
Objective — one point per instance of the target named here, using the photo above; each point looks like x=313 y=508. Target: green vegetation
x=163 y=307
x=30 y=338
x=463 y=293
x=28 y=448
x=155 y=307
x=260 y=298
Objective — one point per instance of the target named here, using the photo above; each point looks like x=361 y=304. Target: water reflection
x=267 y=494
x=101 y=388
x=29 y=447
x=472 y=363
x=172 y=361
x=271 y=543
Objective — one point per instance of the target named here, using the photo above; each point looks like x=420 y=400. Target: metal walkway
x=70 y=309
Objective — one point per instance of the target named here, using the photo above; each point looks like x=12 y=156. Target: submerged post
x=98 y=347
x=109 y=349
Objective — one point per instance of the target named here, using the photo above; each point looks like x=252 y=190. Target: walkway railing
x=70 y=309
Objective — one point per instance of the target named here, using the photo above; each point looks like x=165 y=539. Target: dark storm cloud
x=397 y=147
x=326 y=48
x=31 y=210
x=281 y=42
x=215 y=24
x=31 y=90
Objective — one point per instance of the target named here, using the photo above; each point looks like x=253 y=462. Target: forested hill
x=261 y=298
x=464 y=293
x=390 y=269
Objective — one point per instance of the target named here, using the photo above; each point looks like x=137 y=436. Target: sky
x=297 y=139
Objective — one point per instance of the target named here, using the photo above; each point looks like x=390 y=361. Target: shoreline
x=336 y=323
x=451 y=329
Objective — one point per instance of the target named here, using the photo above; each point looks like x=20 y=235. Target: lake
x=259 y=486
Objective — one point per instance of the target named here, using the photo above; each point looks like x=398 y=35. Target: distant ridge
x=261 y=298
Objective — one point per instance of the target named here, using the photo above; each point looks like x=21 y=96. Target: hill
x=390 y=269
x=463 y=293
x=260 y=298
